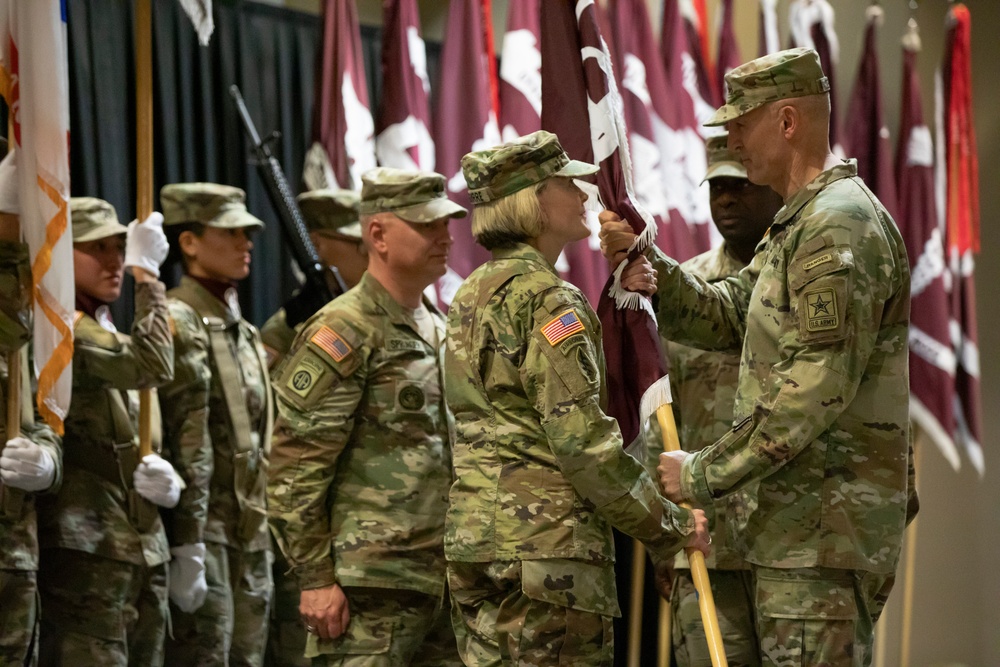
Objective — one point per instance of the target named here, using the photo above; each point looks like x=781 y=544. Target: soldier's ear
x=188 y=242
x=375 y=233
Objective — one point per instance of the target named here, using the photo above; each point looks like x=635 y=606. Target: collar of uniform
x=847 y=169
x=525 y=252
x=204 y=302
x=380 y=301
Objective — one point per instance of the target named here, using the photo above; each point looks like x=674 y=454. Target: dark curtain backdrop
x=268 y=52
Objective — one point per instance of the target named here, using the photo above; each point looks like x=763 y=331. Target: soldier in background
x=217 y=418
x=331 y=217
x=361 y=462
x=703 y=385
x=821 y=413
x=103 y=576
x=30 y=463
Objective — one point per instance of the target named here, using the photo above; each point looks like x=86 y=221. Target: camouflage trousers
x=18 y=618
x=230 y=628
x=818 y=616
x=99 y=611
x=390 y=628
x=286 y=642
x=732 y=591
x=499 y=620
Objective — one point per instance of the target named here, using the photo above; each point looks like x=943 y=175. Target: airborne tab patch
x=562 y=327
x=305 y=375
x=822 y=306
x=330 y=342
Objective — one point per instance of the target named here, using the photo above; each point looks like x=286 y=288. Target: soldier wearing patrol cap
x=821 y=409
x=332 y=219
x=360 y=468
x=703 y=385
x=103 y=574
x=541 y=474
x=217 y=417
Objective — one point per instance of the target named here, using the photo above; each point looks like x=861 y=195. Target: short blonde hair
x=513 y=219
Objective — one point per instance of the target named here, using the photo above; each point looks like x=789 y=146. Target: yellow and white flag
x=34 y=81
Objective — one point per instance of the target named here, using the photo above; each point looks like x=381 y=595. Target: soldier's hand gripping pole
x=657 y=400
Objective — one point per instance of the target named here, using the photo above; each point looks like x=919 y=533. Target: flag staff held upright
x=144 y=164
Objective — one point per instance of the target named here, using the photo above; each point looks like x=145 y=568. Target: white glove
x=24 y=465
x=157 y=481
x=146 y=245
x=187 y=577
x=10 y=201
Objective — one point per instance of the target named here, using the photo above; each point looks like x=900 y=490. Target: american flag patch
x=562 y=327
x=330 y=342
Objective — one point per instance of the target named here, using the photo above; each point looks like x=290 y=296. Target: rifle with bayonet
x=322 y=283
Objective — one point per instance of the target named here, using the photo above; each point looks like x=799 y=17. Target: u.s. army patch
x=562 y=326
x=330 y=342
x=305 y=376
x=821 y=306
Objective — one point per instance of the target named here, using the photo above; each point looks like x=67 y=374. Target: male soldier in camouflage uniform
x=821 y=408
x=331 y=216
x=103 y=576
x=703 y=385
x=361 y=464
x=541 y=475
x=217 y=418
x=28 y=464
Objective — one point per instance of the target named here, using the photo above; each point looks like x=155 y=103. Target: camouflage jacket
x=277 y=337
x=360 y=469
x=540 y=470
x=217 y=418
x=96 y=510
x=821 y=418
x=18 y=522
x=703 y=385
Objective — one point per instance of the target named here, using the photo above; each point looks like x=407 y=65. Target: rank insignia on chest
x=330 y=342
x=822 y=310
x=562 y=327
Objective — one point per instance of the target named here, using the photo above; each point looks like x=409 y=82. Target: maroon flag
x=932 y=358
x=811 y=25
x=962 y=227
x=768 y=39
x=697 y=39
x=729 y=57
x=404 y=139
x=581 y=104
x=464 y=121
x=342 y=119
x=521 y=71
x=866 y=137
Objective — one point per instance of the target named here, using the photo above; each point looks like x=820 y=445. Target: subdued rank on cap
x=414 y=196
x=331 y=210
x=722 y=161
x=503 y=170
x=776 y=76
x=93 y=219
x=211 y=204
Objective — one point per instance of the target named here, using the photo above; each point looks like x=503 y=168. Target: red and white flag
x=34 y=81
x=464 y=121
x=342 y=119
x=729 y=57
x=866 y=136
x=932 y=357
x=404 y=119
x=695 y=18
x=811 y=25
x=200 y=13
x=521 y=71
x=769 y=41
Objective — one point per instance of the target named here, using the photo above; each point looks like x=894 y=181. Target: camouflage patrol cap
x=776 y=76
x=414 y=196
x=503 y=170
x=331 y=210
x=211 y=204
x=93 y=219
x=721 y=161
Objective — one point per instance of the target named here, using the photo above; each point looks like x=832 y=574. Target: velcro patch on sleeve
x=821 y=305
x=331 y=342
x=306 y=375
x=562 y=327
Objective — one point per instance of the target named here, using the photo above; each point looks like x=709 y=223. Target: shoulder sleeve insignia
x=562 y=327
x=822 y=310
x=330 y=342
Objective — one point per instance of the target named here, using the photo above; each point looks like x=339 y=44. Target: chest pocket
x=819 y=283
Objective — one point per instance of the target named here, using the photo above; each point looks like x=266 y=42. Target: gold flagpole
x=144 y=163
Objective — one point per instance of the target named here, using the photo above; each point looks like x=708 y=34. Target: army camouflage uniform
x=18 y=523
x=359 y=477
x=103 y=576
x=217 y=419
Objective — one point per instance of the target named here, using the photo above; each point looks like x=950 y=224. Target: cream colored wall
x=956 y=593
